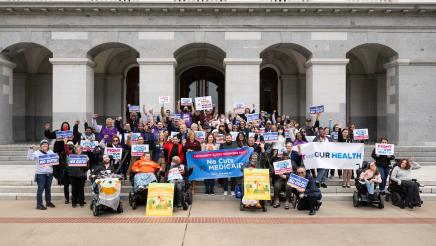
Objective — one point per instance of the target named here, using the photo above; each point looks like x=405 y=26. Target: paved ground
x=218 y=223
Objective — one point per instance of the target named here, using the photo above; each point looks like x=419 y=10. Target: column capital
x=156 y=61
x=326 y=61
x=242 y=61
x=5 y=62
x=72 y=61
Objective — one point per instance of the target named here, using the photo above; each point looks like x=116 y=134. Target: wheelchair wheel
x=396 y=199
x=355 y=199
x=241 y=207
x=388 y=197
x=95 y=209
x=381 y=204
x=130 y=199
x=120 y=208
x=134 y=205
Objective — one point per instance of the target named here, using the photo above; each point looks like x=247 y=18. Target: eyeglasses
x=300 y=172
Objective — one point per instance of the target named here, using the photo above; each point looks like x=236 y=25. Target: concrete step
x=13 y=153
x=13 y=158
x=18 y=163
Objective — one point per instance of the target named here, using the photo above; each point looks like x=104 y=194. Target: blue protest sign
x=317 y=109
x=61 y=135
x=139 y=149
x=217 y=163
x=77 y=160
x=270 y=137
x=297 y=182
x=48 y=159
x=252 y=117
x=134 y=108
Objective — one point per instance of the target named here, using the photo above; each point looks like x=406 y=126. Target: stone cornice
x=157 y=61
x=326 y=61
x=72 y=61
x=242 y=61
x=409 y=62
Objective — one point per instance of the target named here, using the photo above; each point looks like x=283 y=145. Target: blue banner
x=217 y=163
x=317 y=109
x=77 y=160
x=61 y=135
x=297 y=182
x=48 y=159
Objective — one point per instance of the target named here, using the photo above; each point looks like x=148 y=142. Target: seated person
x=402 y=175
x=145 y=170
x=370 y=177
x=310 y=197
x=105 y=167
x=178 y=180
x=280 y=181
x=254 y=162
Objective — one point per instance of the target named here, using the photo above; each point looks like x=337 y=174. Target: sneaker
x=286 y=205
x=225 y=193
x=50 y=205
x=74 y=205
x=323 y=185
x=312 y=212
x=233 y=193
x=41 y=207
x=212 y=193
x=67 y=201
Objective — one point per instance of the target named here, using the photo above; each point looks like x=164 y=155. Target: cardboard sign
x=61 y=135
x=160 y=199
x=317 y=109
x=270 y=137
x=116 y=153
x=175 y=116
x=384 y=149
x=310 y=138
x=48 y=160
x=234 y=135
x=134 y=136
x=164 y=99
x=77 y=160
x=239 y=107
x=252 y=117
x=360 y=134
x=139 y=149
x=174 y=174
x=134 y=109
x=334 y=136
x=297 y=182
x=174 y=134
x=203 y=103
x=256 y=184
x=281 y=167
x=88 y=145
x=185 y=101
x=200 y=135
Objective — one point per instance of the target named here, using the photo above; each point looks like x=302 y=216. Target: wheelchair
x=361 y=196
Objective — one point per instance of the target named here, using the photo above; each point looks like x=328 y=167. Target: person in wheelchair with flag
x=308 y=198
x=404 y=190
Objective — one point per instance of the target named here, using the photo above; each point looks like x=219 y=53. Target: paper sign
x=61 y=135
x=173 y=174
x=360 y=134
x=174 y=134
x=234 y=135
x=256 y=184
x=297 y=182
x=310 y=138
x=334 y=136
x=252 y=117
x=317 y=109
x=139 y=149
x=200 y=135
x=160 y=199
x=384 y=149
x=270 y=137
x=239 y=108
x=77 y=160
x=48 y=160
x=134 y=108
x=175 y=116
x=203 y=103
x=220 y=139
x=251 y=134
x=281 y=167
x=164 y=99
x=88 y=145
x=134 y=136
x=185 y=101
x=116 y=153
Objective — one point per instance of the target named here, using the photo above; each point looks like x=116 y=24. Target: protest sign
x=134 y=108
x=251 y=134
x=297 y=182
x=330 y=155
x=48 y=160
x=61 y=135
x=88 y=145
x=334 y=136
x=160 y=199
x=174 y=173
x=116 y=153
x=200 y=135
x=360 y=134
x=239 y=107
x=139 y=149
x=281 y=167
x=174 y=134
x=203 y=103
x=164 y=99
x=252 y=117
x=234 y=135
x=185 y=101
x=270 y=137
x=310 y=138
x=134 y=136
x=217 y=163
x=220 y=139
x=256 y=184
x=175 y=116
x=317 y=109
x=384 y=149
x=77 y=160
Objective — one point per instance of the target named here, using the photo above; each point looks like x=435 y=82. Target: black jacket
x=382 y=160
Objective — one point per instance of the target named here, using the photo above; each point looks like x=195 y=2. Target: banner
x=174 y=173
x=200 y=135
x=317 y=109
x=48 y=160
x=61 y=135
x=360 y=134
x=116 y=153
x=217 y=163
x=160 y=199
x=139 y=149
x=185 y=101
x=332 y=155
x=270 y=137
x=77 y=160
x=252 y=117
x=88 y=145
x=134 y=109
x=297 y=182
x=239 y=108
x=384 y=149
x=281 y=167
x=164 y=99
x=203 y=103
x=256 y=184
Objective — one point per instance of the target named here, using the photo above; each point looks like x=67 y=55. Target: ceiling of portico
x=289 y=58
x=199 y=54
x=29 y=58
x=369 y=59
x=113 y=58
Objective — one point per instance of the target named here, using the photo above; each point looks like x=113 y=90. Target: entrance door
x=132 y=88
x=268 y=89
x=203 y=81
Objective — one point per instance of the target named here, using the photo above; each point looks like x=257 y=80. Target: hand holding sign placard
x=185 y=101
x=281 y=167
x=116 y=153
x=160 y=199
x=203 y=103
x=61 y=135
x=384 y=149
x=360 y=134
x=134 y=108
x=297 y=182
x=77 y=160
x=139 y=149
x=48 y=160
x=317 y=109
x=256 y=184
x=164 y=99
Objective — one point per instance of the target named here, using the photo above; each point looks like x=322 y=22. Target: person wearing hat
x=43 y=174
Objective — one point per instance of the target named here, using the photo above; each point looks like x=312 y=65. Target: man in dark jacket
x=310 y=198
x=229 y=144
x=383 y=162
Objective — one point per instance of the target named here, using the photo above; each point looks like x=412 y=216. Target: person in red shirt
x=172 y=148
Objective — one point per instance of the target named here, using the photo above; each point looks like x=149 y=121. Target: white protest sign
x=185 y=101
x=203 y=103
x=116 y=153
x=360 y=134
x=139 y=149
x=281 y=167
x=239 y=107
x=384 y=149
x=164 y=99
x=173 y=174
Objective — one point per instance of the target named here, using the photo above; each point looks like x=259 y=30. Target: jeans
x=209 y=183
x=44 y=183
x=321 y=175
x=384 y=172
x=233 y=182
x=78 y=190
x=369 y=187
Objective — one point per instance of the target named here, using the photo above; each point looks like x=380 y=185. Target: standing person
x=192 y=144
x=382 y=162
x=229 y=144
x=344 y=137
x=108 y=131
x=335 y=137
x=321 y=172
x=43 y=175
x=78 y=179
x=172 y=148
x=68 y=150
x=209 y=145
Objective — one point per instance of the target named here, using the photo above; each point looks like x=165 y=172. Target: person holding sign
x=77 y=173
x=177 y=174
x=383 y=162
x=186 y=114
x=43 y=173
x=310 y=196
x=108 y=131
x=321 y=172
x=280 y=170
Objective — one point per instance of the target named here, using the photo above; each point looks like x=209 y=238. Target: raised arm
x=30 y=153
x=47 y=133
x=94 y=124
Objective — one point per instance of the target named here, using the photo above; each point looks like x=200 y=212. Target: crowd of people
x=171 y=135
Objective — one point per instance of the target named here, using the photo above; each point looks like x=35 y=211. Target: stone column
x=156 y=78
x=6 y=100
x=242 y=82
x=326 y=85
x=73 y=90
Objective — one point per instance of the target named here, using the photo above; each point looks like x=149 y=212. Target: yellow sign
x=160 y=199
x=256 y=184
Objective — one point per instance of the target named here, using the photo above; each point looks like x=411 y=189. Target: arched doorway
x=132 y=86
x=203 y=81
x=268 y=89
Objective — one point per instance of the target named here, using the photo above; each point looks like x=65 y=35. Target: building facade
x=373 y=64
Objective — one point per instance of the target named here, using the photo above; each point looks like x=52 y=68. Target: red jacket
x=168 y=146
